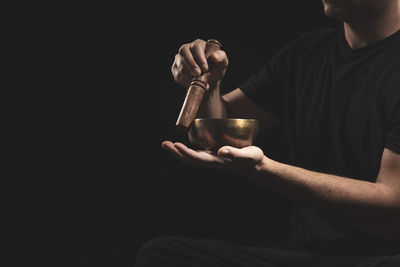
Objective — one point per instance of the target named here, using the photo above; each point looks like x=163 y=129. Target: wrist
x=265 y=165
x=212 y=106
x=263 y=169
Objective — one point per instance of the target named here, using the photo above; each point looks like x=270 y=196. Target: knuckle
x=175 y=66
x=182 y=49
x=196 y=44
x=198 y=41
x=180 y=68
x=177 y=60
x=174 y=71
x=193 y=46
x=177 y=76
x=223 y=54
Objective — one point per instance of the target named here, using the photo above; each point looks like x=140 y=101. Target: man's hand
x=190 y=62
x=242 y=161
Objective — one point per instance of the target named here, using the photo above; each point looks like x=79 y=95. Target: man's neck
x=370 y=30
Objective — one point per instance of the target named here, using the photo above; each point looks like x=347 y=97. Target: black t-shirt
x=340 y=108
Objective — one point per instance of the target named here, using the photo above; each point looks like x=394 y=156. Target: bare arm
x=372 y=207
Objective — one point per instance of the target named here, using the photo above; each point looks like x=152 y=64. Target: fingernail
x=224 y=151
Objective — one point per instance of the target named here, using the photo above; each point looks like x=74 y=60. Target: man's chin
x=335 y=12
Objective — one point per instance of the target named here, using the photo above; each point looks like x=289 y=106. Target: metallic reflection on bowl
x=211 y=134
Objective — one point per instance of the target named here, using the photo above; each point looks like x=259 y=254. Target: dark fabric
x=178 y=251
x=340 y=108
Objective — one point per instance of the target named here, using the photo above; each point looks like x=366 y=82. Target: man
x=337 y=94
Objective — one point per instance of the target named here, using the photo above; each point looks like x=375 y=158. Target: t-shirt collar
x=348 y=51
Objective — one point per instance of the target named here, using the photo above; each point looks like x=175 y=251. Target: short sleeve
x=265 y=89
x=273 y=83
x=391 y=106
x=393 y=133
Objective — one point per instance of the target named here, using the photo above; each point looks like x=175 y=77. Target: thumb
x=220 y=60
x=229 y=152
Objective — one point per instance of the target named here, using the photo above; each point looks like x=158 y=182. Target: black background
x=89 y=99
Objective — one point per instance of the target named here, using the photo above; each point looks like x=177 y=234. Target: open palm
x=237 y=160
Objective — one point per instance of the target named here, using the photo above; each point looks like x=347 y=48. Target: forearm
x=354 y=203
x=212 y=105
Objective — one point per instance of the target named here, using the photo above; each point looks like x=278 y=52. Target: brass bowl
x=211 y=134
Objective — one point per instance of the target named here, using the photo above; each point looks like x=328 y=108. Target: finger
x=198 y=156
x=198 y=51
x=181 y=71
x=220 y=60
x=185 y=69
x=230 y=152
x=187 y=56
x=182 y=80
x=186 y=152
x=169 y=146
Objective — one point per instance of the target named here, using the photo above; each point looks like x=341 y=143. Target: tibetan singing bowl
x=211 y=134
